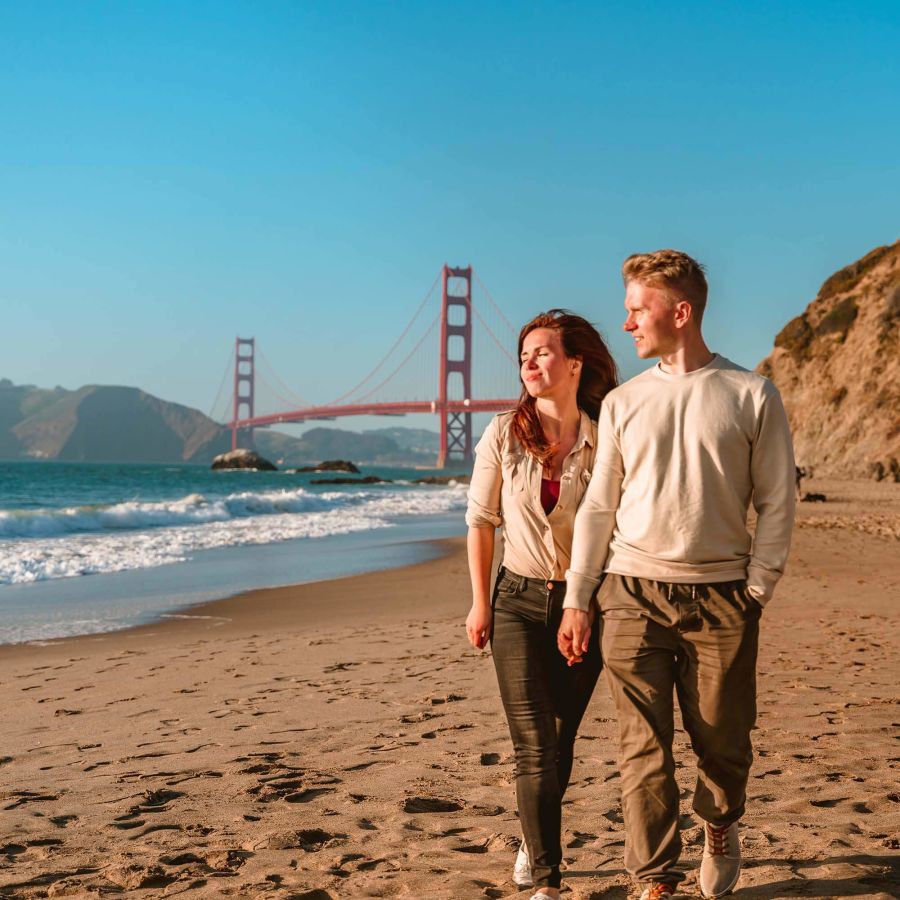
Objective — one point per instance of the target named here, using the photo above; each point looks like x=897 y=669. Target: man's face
x=650 y=321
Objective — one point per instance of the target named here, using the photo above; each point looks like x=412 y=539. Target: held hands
x=478 y=625
x=574 y=635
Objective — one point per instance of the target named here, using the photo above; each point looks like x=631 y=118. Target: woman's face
x=545 y=369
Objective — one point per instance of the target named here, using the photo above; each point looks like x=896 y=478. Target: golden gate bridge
x=432 y=373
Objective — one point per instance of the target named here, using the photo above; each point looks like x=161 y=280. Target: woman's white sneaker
x=522 y=869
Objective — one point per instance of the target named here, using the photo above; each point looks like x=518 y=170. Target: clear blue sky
x=174 y=174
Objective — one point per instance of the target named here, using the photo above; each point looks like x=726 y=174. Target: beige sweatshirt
x=679 y=460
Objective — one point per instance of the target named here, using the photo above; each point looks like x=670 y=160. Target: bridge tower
x=456 y=427
x=244 y=387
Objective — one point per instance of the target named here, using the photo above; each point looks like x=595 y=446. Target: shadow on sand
x=887 y=881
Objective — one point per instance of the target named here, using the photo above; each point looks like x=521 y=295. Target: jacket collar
x=585 y=432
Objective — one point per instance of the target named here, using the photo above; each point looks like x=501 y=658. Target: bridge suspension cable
x=497 y=373
x=405 y=360
x=292 y=398
x=395 y=345
x=288 y=403
x=213 y=410
x=497 y=309
x=494 y=338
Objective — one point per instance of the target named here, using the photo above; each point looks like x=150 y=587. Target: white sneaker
x=522 y=869
x=720 y=867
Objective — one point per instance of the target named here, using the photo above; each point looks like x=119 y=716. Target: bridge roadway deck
x=375 y=409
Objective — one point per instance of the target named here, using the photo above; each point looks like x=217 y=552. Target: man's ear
x=684 y=313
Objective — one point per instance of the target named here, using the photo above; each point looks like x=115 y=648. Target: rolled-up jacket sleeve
x=483 y=510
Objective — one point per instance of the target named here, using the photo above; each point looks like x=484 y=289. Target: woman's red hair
x=580 y=340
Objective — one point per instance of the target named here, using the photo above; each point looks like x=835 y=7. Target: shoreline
x=104 y=603
x=267 y=607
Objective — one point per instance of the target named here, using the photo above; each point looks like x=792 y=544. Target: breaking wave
x=62 y=543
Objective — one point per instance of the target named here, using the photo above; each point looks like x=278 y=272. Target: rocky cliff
x=838 y=369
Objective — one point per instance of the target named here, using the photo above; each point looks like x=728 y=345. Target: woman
x=531 y=469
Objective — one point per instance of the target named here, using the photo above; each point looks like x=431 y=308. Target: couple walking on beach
x=624 y=516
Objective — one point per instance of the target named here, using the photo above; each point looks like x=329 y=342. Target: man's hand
x=478 y=625
x=574 y=635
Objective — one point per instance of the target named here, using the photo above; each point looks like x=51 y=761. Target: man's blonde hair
x=677 y=274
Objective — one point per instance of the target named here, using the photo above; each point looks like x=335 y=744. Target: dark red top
x=549 y=494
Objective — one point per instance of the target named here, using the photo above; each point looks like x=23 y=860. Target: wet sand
x=341 y=740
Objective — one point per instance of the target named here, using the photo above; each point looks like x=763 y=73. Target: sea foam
x=87 y=540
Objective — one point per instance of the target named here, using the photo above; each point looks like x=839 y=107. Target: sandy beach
x=340 y=740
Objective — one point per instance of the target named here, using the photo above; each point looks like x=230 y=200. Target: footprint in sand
x=310 y=840
x=430 y=805
x=580 y=838
x=488 y=810
x=340 y=666
x=307 y=795
x=155 y=801
x=828 y=804
x=23 y=797
x=447 y=698
x=419 y=717
x=63 y=821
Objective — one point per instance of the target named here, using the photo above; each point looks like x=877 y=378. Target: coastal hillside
x=393 y=446
x=837 y=366
x=100 y=423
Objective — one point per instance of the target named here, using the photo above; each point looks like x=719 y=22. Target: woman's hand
x=480 y=547
x=478 y=625
x=574 y=635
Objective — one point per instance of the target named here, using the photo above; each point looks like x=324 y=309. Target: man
x=683 y=448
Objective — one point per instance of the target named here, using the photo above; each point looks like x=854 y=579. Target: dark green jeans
x=544 y=700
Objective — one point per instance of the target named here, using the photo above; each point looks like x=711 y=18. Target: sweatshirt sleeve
x=483 y=509
x=772 y=474
x=596 y=517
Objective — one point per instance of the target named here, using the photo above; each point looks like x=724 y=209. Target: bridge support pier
x=456 y=427
x=244 y=388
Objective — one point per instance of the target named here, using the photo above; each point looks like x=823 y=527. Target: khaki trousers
x=699 y=641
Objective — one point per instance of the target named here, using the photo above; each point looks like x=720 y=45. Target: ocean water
x=89 y=548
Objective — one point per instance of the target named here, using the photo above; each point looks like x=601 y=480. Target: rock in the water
x=243 y=459
x=366 y=479
x=331 y=465
x=443 y=479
